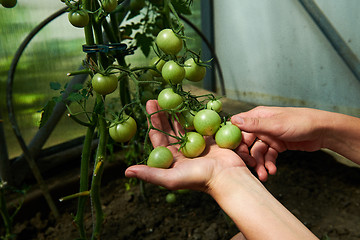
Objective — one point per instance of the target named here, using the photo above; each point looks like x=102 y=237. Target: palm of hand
x=195 y=173
x=190 y=173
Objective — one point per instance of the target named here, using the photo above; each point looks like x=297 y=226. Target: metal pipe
x=333 y=36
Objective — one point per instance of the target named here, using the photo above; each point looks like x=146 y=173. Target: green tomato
x=194 y=145
x=123 y=132
x=172 y=72
x=137 y=5
x=160 y=157
x=79 y=18
x=207 y=122
x=186 y=119
x=109 y=5
x=159 y=65
x=104 y=84
x=215 y=105
x=8 y=3
x=167 y=99
x=168 y=42
x=146 y=77
x=170 y=198
x=228 y=136
x=146 y=95
x=193 y=71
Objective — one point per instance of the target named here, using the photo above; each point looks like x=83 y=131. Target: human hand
x=267 y=131
x=185 y=173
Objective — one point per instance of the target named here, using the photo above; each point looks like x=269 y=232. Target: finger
x=158 y=176
x=259 y=120
x=258 y=152
x=270 y=160
x=248 y=138
x=178 y=128
x=275 y=143
x=159 y=121
x=243 y=152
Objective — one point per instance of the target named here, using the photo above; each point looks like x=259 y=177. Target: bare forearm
x=342 y=135
x=254 y=210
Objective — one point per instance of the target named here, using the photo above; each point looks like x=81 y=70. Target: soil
x=322 y=193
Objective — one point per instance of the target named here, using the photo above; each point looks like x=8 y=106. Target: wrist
x=253 y=209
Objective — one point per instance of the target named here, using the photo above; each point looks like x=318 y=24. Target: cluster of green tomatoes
x=198 y=118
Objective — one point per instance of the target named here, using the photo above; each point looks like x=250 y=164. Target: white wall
x=272 y=53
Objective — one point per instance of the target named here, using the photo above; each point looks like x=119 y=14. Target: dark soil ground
x=322 y=193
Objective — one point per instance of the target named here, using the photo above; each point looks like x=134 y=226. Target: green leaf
x=144 y=42
x=57 y=99
x=55 y=85
x=46 y=112
x=181 y=7
x=75 y=97
x=77 y=87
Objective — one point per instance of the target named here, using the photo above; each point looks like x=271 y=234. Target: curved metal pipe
x=344 y=51
x=212 y=50
x=12 y=119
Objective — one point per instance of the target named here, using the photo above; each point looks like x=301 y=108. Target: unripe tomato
x=79 y=18
x=193 y=71
x=8 y=3
x=146 y=77
x=159 y=65
x=123 y=132
x=104 y=84
x=109 y=5
x=167 y=99
x=194 y=145
x=170 y=198
x=146 y=95
x=168 y=42
x=137 y=5
x=215 y=105
x=172 y=72
x=160 y=157
x=228 y=136
x=186 y=119
x=207 y=122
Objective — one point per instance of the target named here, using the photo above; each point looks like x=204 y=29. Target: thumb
x=253 y=125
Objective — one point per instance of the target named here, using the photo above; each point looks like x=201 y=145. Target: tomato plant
x=207 y=122
x=109 y=5
x=194 y=145
x=168 y=99
x=215 y=105
x=193 y=71
x=228 y=136
x=107 y=44
x=8 y=3
x=123 y=131
x=160 y=157
x=78 y=18
x=172 y=72
x=103 y=84
x=168 y=42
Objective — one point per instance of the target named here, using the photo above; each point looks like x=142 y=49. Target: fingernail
x=130 y=174
x=237 y=120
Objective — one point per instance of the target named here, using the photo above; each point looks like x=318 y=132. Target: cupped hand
x=267 y=131
x=185 y=173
